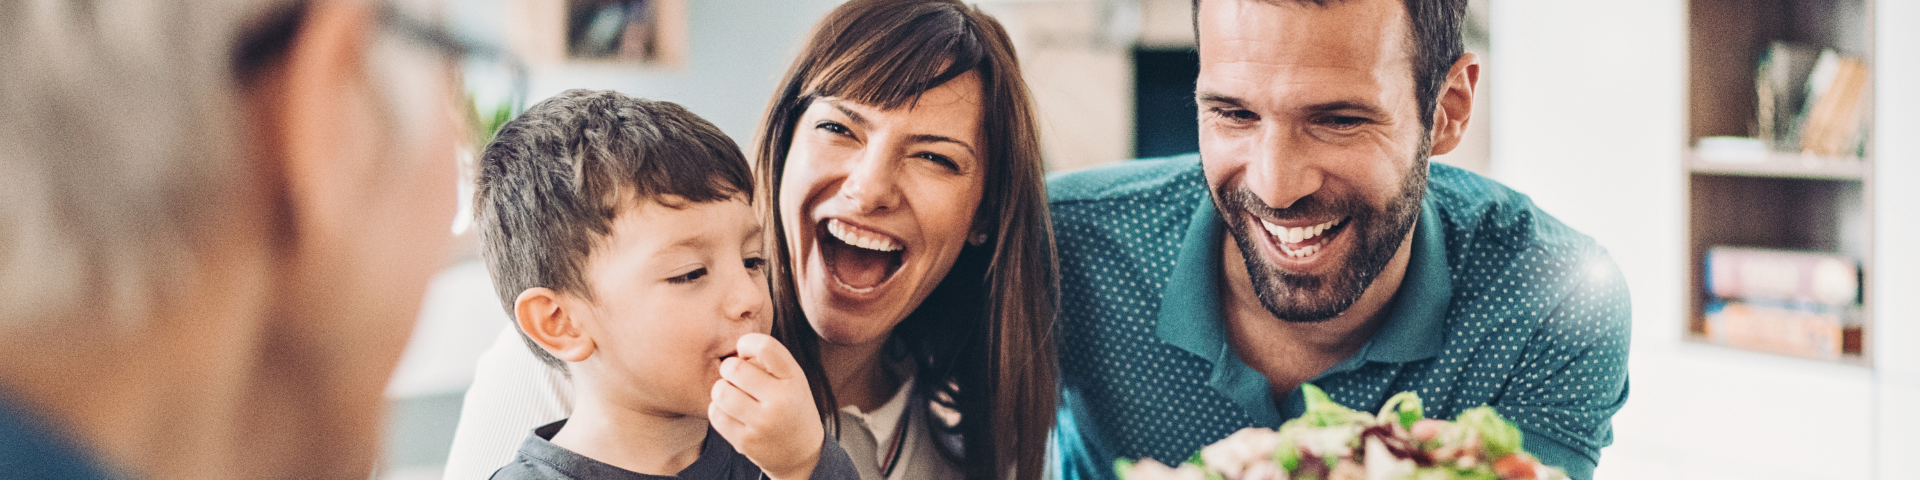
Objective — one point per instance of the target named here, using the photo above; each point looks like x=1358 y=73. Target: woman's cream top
x=881 y=450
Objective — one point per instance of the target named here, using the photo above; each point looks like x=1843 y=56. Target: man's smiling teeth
x=1298 y=234
x=860 y=237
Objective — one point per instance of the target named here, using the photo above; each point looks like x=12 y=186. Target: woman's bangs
x=893 y=69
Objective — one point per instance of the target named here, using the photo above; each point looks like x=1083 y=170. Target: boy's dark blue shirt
x=539 y=458
x=1501 y=305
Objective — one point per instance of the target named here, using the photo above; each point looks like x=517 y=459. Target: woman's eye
x=941 y=160
x=755 y=263
x=834 y=128
x=689 y=276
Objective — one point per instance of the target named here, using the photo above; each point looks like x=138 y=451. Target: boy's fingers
x=722 y=422
x=770 y=355
x=751 y=379
x=731 y=397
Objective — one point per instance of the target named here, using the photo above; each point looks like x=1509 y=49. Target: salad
x=1332 y=442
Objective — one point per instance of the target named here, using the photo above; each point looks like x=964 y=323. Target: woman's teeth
x=1288 y=235
x=860 y=237
x=854 y=289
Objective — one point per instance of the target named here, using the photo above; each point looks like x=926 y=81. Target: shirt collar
x=1414 y=329
x=1190 y=310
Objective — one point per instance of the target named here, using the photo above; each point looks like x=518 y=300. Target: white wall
x=737 y=51
x=1075 y=56
x=1897 y=236
x=1601 y=89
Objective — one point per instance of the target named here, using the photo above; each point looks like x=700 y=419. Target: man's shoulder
x=1481 y=214
x=1507 y=255
x=1175 y=178
x=1140 y=209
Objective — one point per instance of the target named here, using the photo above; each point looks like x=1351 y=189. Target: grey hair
x=121 y=131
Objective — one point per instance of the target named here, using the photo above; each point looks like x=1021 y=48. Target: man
x=1311 y=242
x=217 y=219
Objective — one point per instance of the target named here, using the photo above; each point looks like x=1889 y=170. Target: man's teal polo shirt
x=1502 y=305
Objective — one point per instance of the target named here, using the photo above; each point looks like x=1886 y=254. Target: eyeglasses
x=494 y=81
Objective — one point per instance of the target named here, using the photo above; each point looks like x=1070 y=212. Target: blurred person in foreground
x=216 y=223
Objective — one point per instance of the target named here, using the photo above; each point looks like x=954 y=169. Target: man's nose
x=1281 y=172
x=872 y=182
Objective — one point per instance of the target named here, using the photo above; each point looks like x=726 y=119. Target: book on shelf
x=1809 y=100
x=1784 y=276
x=1819 y=333
x=1832 y=125
x=1784 y=301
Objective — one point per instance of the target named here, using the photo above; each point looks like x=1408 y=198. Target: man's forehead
x=1354 y=32
x=1358 y=43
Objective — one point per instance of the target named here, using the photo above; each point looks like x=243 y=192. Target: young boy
x=619 y=234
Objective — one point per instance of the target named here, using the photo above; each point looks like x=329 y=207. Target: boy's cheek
x=763 y=323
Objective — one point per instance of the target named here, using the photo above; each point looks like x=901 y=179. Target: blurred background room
x=1748 y=163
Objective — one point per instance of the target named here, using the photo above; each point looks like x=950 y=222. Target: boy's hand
x=763 y=406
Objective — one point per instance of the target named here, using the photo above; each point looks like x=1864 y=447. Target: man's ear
x=547 y=318
x=1455 y=104
x=323 y=110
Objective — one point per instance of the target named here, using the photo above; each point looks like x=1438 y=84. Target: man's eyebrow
x=1366 y=109
x=851 y=115
x=1216 y=98
x=1362 y=108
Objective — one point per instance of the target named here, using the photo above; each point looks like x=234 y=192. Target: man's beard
x=1377 y=234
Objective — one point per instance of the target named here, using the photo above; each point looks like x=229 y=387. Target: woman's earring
x=977 y=239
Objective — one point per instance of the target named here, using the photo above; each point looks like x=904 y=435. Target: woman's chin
x=851 y=323
x=849 y=332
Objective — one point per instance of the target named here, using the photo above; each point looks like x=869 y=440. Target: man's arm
x=1565 y=390
x=1075 y=446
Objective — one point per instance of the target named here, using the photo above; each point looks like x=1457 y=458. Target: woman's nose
x=872 y=182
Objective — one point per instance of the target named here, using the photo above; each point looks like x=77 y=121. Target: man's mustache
x=1311 y=207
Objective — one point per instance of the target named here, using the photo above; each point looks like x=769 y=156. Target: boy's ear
x=547 y=319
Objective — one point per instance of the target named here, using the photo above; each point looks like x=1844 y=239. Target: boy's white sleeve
x=512 y=393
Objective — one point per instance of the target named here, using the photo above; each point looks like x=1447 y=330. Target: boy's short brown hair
x=552 y=181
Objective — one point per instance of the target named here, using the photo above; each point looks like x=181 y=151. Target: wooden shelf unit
x=1782 y=165
x=1786 y=201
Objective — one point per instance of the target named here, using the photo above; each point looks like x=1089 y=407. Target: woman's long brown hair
x=982 y=342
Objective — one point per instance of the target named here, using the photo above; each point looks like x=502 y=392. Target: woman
x=900 y=176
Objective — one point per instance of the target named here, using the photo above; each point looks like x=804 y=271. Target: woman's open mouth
x=858 y=259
